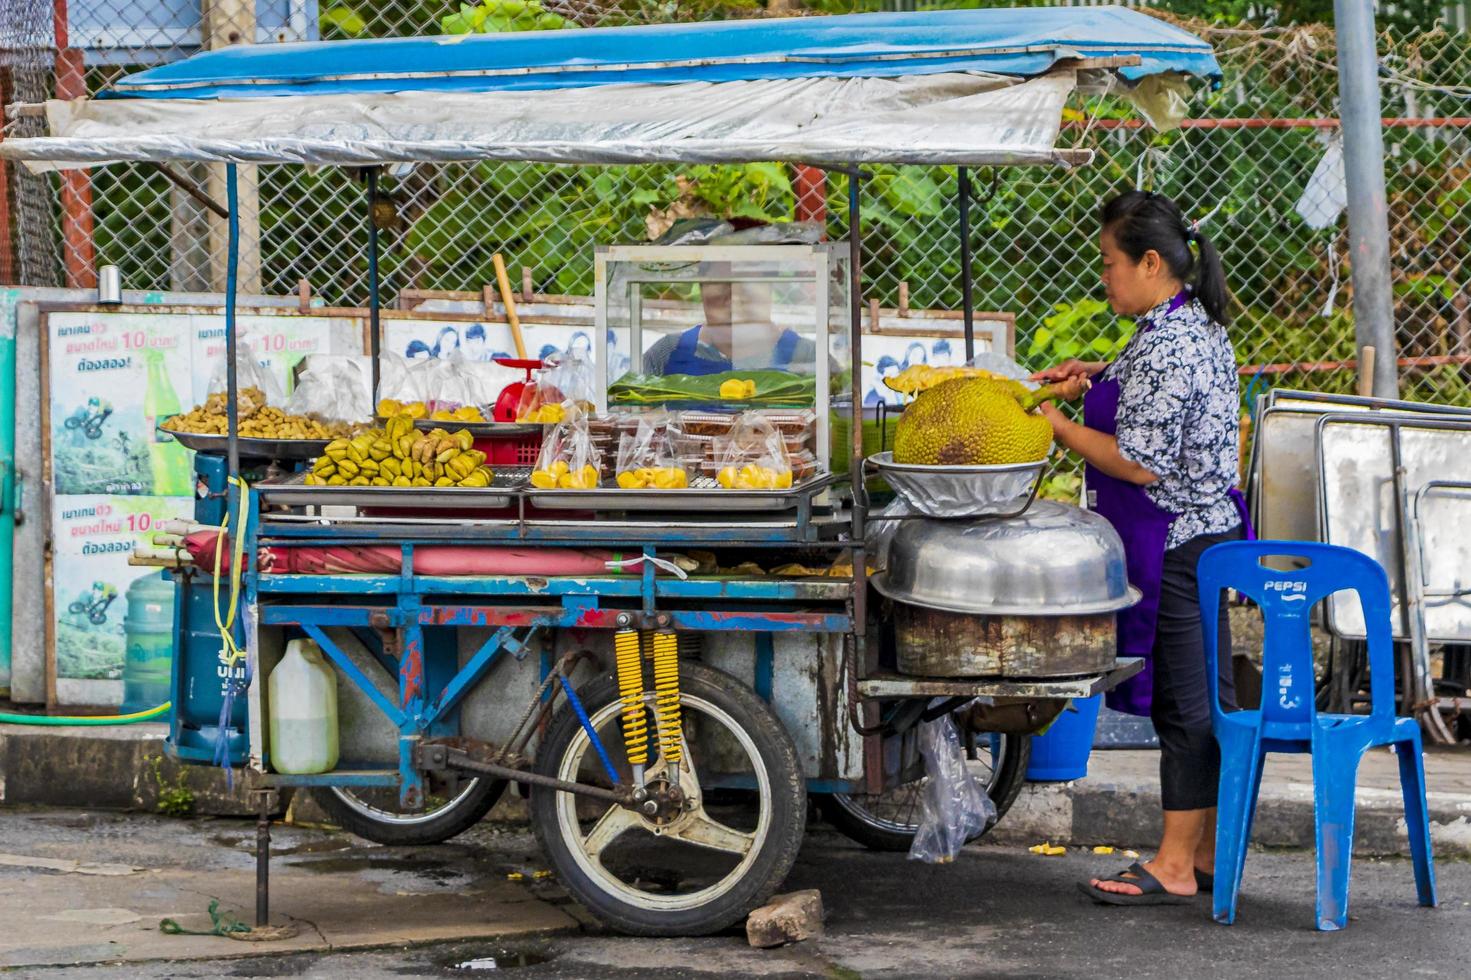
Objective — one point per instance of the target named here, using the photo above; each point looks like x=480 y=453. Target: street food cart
x=672 y=805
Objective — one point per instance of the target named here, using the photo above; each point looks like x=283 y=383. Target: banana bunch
x=753 y=476
x=398 y=455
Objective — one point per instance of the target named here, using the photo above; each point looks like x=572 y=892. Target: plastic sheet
x=965 y=118
x=953 y=806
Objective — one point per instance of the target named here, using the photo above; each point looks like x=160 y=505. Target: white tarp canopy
x=962 y=118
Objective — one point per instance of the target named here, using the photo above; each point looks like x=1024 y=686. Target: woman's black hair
x=1142 y=220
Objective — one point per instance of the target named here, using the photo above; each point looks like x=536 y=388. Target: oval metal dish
x=954 y=492
x=214 y=445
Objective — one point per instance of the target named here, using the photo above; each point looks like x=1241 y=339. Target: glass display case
x=714 y=328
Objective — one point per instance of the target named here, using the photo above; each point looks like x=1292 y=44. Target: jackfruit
x=974 y=422
x=922 y=377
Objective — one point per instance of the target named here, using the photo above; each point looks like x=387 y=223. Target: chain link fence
x=1255 y=162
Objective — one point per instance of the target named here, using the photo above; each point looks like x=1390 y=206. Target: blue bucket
x=1062 y=752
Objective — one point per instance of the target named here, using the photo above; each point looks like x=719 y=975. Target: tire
x=372 y=820
x=718 y=711
x=854 y=816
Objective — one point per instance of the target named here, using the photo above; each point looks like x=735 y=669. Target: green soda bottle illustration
x=173 y=476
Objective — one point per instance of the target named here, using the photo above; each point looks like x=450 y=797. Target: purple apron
x=1145 y=530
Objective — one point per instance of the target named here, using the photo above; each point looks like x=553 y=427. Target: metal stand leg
x=265 y=800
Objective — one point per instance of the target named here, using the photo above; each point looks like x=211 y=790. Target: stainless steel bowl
x=1054 y=560
x=960 y=491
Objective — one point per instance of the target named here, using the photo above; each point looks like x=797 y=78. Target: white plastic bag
x=333 y=388
x=953 y=806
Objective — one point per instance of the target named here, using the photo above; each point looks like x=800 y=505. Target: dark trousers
x=1190 y=760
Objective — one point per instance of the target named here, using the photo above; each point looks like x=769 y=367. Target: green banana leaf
x=772 y=388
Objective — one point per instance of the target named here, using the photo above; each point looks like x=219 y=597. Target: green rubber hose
x=59 y=721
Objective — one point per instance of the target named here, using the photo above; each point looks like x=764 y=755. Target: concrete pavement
x=997 y=912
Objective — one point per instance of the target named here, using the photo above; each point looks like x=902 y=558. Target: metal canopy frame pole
x=375 y=336
x=232 y=393
x=967 y=298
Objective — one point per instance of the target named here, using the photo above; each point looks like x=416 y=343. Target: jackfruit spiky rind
x=971 y=422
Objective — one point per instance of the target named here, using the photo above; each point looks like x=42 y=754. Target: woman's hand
x=1071 y=388
x=1068 y=368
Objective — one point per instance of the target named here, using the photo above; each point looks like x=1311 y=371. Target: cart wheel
x=689 y=870
x=888 y=822
x=374 y=814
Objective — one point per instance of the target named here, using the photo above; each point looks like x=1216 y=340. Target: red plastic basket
x=510 y=450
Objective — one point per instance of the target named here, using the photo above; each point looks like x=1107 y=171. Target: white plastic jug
x=303 y=711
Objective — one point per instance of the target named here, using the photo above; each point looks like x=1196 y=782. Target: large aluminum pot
x=1032 y=596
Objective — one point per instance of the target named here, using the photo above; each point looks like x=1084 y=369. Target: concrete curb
x=125 y=768
x=1090 y=812
x=122 y=768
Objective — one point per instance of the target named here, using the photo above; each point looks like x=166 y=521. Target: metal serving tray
x=214 y=445
x=1283 y=470
x=294 y=492
x=1360 y=511
x=704 y=494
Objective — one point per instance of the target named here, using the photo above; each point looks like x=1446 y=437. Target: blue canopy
x=1020 y=43
x=970 y=87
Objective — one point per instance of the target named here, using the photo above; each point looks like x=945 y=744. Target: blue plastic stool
x=1061 y=753
x=1289 y=720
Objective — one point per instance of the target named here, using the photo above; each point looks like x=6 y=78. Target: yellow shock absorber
x=631 y=693
x=666 y=687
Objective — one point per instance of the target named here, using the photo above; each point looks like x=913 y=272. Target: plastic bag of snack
x=568 y=458
x=402 y=387
x=255 y=386
x=646 y=456
x=451 y=391
x=333 y=388
x=753 y=456
x=566 y=384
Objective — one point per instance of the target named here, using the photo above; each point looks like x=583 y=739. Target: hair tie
x=1191 y=229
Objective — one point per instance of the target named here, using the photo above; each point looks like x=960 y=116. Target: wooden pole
x=228 y=22
x=503 y=280
x=1366 y=370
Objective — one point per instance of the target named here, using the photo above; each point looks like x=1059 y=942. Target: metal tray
x=214 y=445
x=703 y=495
x=294 y=492
x=480 y=430
x=1359 y=511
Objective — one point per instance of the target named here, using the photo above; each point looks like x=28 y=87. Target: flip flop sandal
x=1205 y=882
x=1151 y=891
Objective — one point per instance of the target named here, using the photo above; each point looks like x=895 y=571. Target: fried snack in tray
x=399 y=455
x=257 y=420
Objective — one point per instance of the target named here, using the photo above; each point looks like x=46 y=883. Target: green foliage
x=341 y=22
x=1085 y=329
x=503 y=16
x=175 y=798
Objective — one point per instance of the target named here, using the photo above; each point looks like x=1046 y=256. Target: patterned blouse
x=1178 y=416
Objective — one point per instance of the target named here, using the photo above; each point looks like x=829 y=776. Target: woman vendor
x=1159 y=437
